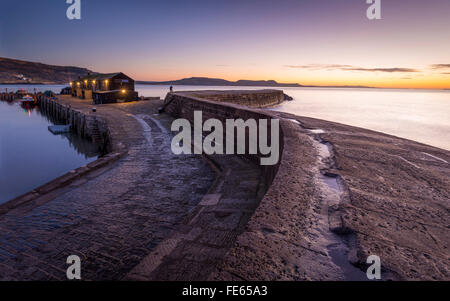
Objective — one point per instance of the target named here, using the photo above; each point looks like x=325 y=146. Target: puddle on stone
x=435 y=157
x=339 y=255
x=317 y=131
x=331 y=182
x=324 y=150
x=294 y=121
x=336 y=246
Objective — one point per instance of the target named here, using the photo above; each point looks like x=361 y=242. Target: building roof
x=106 y=92
x=102 y=76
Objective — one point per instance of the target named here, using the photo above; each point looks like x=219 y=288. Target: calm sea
x=419 y=115
x=30 y=155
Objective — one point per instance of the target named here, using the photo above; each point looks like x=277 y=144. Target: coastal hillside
x=206 y=81
x=19 y=72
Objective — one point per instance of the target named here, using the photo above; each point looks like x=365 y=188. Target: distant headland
x=206 y=81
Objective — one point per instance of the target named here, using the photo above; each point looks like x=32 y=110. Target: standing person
x=171 y=89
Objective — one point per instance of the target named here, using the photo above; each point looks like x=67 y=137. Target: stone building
x=105 y=88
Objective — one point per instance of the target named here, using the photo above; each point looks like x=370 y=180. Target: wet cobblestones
x=112 y=221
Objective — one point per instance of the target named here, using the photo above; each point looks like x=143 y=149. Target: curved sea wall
x=183 y=105
x=254 y=98
x=332 y=200
x=270 y=248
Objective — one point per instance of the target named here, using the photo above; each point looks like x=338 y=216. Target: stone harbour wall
x=183 y=105
x=277 y=225
x=86 y=125
x=255 y=98
x=7 y=96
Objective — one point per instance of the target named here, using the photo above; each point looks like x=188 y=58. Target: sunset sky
x=311 y=42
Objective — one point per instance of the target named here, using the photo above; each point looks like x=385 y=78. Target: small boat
x=59 y=129
x=27 y=100
x=22 y=93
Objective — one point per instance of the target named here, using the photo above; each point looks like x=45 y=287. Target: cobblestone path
x=197 y=245
x=194 y=250
x=112 y=220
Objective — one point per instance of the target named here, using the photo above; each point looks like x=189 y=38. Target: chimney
x=89 y=73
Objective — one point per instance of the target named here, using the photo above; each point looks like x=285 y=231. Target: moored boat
x=27 y=100
x=21 y=93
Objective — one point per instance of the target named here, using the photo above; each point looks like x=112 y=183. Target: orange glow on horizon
x=416 y=81
x=381 y=71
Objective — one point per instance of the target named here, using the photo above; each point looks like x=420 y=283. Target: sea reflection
x=28 y=109
x=30 y=155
